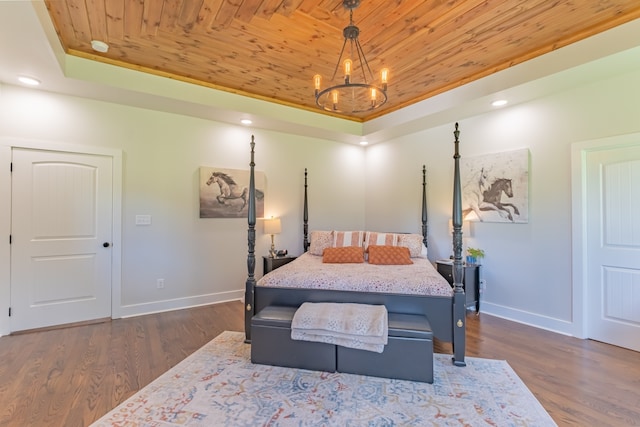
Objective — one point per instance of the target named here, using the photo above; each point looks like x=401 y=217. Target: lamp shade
x=272 y=226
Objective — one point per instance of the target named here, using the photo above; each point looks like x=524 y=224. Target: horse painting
x=473 y=193
x=492 y=198
x=481 y=196
x=230 y=190
x=495 y=187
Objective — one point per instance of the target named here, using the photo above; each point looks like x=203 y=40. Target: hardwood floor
x=579 y=382
x=70 y=377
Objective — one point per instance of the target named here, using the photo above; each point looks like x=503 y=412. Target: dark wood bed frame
x=445 y=314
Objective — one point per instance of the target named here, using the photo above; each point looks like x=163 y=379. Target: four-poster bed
x=445 y=310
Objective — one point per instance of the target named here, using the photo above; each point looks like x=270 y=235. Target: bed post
x=305 y=216
x=459 y=298
x=251 y=258
x=424 y=206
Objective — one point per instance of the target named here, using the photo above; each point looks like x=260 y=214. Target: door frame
x=6 y=145
x=579 y=261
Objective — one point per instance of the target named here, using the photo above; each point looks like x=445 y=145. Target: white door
x=613 y=246
x=61 y=225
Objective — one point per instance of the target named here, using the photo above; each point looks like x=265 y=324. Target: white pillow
x=417 y=249
x=319 y=241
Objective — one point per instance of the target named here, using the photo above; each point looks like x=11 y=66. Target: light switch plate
x=143 y=219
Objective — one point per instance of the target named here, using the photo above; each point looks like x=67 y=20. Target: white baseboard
x=531 y=319
x=167 y=305
x=179 y=303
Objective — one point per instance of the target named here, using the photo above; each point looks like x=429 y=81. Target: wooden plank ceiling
x=271 y=49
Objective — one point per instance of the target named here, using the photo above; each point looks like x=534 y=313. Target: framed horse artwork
x=224 y=193
x=495 y=187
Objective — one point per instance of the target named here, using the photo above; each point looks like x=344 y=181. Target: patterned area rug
x=219 y=386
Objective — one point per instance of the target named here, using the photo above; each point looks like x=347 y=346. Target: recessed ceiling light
x=99 y=46
x=246 y=121
x=499 y=103
x=29 y=80
x=364 y=143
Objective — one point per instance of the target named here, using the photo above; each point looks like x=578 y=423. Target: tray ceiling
x=271 y=49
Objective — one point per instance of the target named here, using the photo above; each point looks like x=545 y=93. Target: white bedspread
x=308 y=271
x=359 y=326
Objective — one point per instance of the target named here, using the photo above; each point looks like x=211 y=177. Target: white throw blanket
x=359 y=326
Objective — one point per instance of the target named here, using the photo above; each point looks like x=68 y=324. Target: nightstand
x=270 y=264
x=470 y=281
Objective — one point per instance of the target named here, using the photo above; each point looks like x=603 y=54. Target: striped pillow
x=347 y=238
x=380 y=239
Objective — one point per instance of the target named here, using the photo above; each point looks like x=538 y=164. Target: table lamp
x=272 y=226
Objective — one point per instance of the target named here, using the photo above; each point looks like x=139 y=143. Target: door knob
x=106 y=244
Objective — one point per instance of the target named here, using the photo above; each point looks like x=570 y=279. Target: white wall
x=201 y=260
x=527 y=266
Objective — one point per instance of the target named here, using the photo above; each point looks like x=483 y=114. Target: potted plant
x=474 y=255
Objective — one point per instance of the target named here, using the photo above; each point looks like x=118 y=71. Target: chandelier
x=352 y=96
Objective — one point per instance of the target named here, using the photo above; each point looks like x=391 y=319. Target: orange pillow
x=343 y=255
x=389 y=255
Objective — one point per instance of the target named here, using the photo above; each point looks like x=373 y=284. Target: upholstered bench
x=407 y=356
x=271 y=343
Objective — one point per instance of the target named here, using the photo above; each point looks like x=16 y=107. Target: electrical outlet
x=160 y=283
x=483 y=285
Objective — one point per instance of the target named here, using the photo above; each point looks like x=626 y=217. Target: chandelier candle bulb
x=384 y=76
x=317 y=81
x=347 y=70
